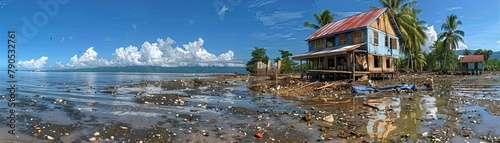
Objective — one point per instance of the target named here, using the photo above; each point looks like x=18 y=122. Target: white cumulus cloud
x=432 y=36
x=462 y=46
x=86 y=60
x=33 y=64
x=159 y=53
x=498 y=42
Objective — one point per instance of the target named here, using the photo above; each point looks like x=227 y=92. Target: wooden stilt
x=353 y=67
x=301 y=70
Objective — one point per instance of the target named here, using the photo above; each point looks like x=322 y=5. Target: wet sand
x=459 y=109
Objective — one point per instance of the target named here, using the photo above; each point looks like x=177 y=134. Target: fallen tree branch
x=326 y=86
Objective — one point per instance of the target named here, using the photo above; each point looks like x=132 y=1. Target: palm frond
x=311 y=25
x=459 y=32
x=373 y=7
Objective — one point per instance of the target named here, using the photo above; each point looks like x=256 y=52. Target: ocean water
x=49 y=81
x=76 y=86
x=81 y=88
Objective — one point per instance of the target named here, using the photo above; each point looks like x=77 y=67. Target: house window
x=388 y=63
x=377 y=61
x=318 y=44
x=342 y=39
x=386 y=41
x=393 y=43
x=357 y=37
x=375 y=37
x=330 y=42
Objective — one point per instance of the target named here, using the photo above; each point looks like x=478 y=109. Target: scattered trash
x=328 y=118
x=259 y=135
x=123 y=127
x=307 y=117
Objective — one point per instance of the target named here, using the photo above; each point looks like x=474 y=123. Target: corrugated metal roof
x=326 y=51
x=471 y=58
x=352 y=22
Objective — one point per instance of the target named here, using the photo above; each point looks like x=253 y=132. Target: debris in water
x=328 y=118
x=259 y=135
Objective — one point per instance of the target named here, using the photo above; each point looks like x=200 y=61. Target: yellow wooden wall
x=383 y=25
x=319 y=44
x=383 y=68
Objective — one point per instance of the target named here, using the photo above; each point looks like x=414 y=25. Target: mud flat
x=241 y=108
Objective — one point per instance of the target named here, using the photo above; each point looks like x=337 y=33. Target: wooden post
x=259 y=68
x=275 y=72
x=269 y=69
x=301 y=70
x=353 y=68
x=308 y=67
x=383 y=72
x=317 y=63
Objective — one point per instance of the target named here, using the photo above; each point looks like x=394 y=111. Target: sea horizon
x=147 y=69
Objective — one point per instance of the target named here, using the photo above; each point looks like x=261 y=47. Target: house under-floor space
x=338 y=66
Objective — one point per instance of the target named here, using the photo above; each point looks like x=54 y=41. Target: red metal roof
x=471 y=58
x=352 y=22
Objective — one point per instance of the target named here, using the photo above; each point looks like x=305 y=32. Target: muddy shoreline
x=243 y=108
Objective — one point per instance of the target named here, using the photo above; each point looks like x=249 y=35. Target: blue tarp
x=362 y=89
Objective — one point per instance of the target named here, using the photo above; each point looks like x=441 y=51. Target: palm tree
x=450 y=35
x=467 y=52
x=410 y=27
x=419 y=60
x=433 y=59
x=322 y=19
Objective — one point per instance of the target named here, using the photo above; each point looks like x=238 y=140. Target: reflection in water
x=380 y=124
x=428 y=104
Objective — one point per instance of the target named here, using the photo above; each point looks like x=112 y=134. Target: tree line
x=259 y=55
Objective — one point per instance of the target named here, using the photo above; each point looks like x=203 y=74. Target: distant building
x=368 y=40
x=471 y=64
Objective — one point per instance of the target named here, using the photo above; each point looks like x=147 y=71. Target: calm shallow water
x=80 y=88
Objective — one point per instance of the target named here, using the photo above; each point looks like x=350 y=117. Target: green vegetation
x=411 y=29
x=486 y=53
x=258 y=55
x=467 y=52
x=286 y=62
x=322 y=19
x=300 y=68
x=436 y=58
x=492 y=64
x=451 y=35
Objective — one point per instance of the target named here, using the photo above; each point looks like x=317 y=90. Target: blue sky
x=198 y=32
